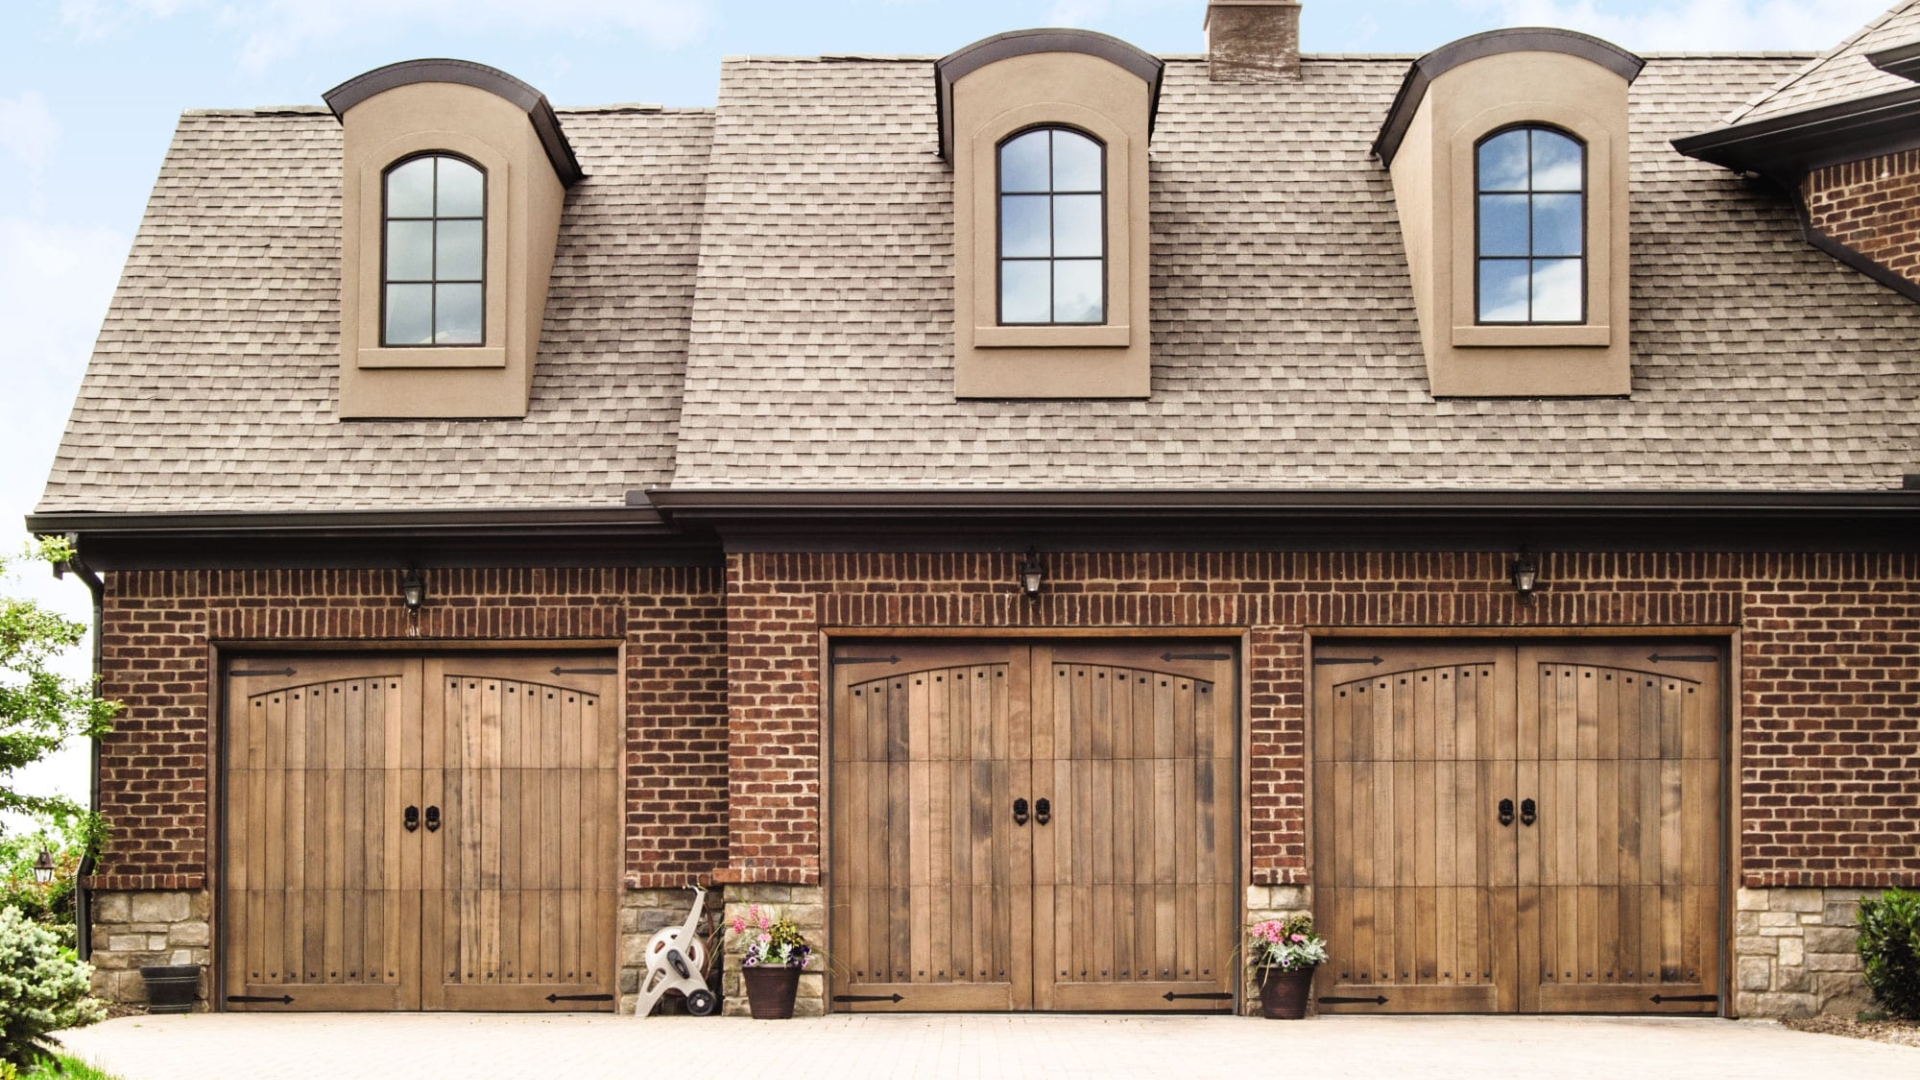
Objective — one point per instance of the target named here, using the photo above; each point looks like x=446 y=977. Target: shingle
x=1842 y=74
x=761 y=295
x=213 y=384
x=1286 y=351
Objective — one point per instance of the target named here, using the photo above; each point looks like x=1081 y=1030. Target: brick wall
x=1830 y=663
x=1872 y=207
x=160 y=625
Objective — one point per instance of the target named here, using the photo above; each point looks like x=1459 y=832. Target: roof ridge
x=1817 y=63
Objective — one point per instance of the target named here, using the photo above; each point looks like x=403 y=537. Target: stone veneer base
x=132 y=930
x=1794 y=953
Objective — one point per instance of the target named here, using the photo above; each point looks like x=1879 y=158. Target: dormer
x=454 y=178
x=1509 y=157
x=1047 y=133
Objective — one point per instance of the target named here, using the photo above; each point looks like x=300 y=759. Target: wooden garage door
x=1114 y=891
x=1504 y=828
x=408 y=833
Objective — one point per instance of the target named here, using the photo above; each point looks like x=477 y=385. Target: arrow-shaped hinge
x=1661 y=999
x=1170 y=657
x=1704 y=659
x=1337 y=661
x=276 y=671
x=1381 y=1000
x=854 y=999
x=586 y=671
x=1171 y=996
x=552 y=998
x=866 y=660
x=241 y=999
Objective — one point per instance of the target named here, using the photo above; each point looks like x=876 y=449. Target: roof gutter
x=929 y=519
x=1786 y=148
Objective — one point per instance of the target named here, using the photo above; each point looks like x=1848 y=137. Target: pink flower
x=1299 y=937
x=739 y=926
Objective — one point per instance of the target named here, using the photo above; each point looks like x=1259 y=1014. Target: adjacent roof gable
x=1845 y=74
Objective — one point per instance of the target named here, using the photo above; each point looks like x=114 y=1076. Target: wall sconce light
x=1032 y=574
x=1525 y=575
x=413 y=589
x=43 y=867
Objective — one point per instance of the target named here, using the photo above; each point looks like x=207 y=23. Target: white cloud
x=27 y=130
x=1702 y=25
x=273 y=29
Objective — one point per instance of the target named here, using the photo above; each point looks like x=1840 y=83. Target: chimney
x=1253 y=41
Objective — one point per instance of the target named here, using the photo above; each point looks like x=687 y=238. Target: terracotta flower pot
x=1284 y=994
x=771 y=990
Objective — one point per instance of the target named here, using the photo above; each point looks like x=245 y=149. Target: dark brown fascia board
x=1786 y=148
x=1848 y=256
x=955 y=66
x=598 y=537
x=1901 y=60
x=467 y=73
x=1421 y=76
x=924 y=520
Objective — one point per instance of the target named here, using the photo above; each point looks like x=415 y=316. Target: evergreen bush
x=1890 y=950
x=43 y=989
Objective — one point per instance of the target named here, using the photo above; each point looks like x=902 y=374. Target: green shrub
x=43 y=989
x=1890 y=950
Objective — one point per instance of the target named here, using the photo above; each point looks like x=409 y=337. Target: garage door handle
x=1506 y=811
x=433 y=819
x=1019 y=811
x=1529 y=813
x=1043 y=811
x=412 y=818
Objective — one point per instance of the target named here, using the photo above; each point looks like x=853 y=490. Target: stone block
x=1841 y=914
x=127 y=943
x=1793 y=952
x=1792 y=980
x=1777 y=919
x=1755 y=946
x=1798 y=900
x=1841 y=994
x=1755 y=973
x=157 y=943
x=1751 y=900
x=1747 y=923
x=1831 y=940
x=112 y=908
x=1833 y=961
x=189 y=934
x=170 y=907
x=1777 y=1006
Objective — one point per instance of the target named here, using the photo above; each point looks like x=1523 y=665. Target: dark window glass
x=1530 y=236
x=1053 y=229
x=435 y=253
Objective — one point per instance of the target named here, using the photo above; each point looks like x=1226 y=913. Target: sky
x=90 y=91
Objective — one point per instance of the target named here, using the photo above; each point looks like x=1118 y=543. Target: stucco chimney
x=1253 y=41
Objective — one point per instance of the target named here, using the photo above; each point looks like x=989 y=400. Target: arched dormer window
x=1053 y=229
x=433 y=279
x=1531 y=221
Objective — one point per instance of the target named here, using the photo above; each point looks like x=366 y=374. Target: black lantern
x=1032 y=574
x=1525 y=575
x=413 y=589
x=43 y=867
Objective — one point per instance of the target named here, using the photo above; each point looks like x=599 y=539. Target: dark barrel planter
x=1284 y=994
x=171 y=989
x=771 y=990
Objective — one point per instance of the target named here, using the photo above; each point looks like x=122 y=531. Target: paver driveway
x=427 y=1047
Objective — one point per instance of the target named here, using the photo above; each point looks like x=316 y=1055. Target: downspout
x=82 y=896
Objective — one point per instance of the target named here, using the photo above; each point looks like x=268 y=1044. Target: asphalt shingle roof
x=787 y=259
x=1843 y=74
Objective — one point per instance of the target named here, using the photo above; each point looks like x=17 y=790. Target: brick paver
x=427 y=1047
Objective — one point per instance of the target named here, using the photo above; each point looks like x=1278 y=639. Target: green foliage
x=39 y=708
x=1890 y=950
x=43 y=989
x=49 y=904
x=61 y=1067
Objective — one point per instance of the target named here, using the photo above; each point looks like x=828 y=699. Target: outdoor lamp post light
x=1525 y=575
x=413 y=589
x=1032 y=574
x=43 y=867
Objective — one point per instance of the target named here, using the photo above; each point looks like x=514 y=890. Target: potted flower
x=1283 y=954
x=771 y=964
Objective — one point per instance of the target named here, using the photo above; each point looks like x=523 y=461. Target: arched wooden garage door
x=408 y=833
x=1047 y=827
x=1533 y=828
